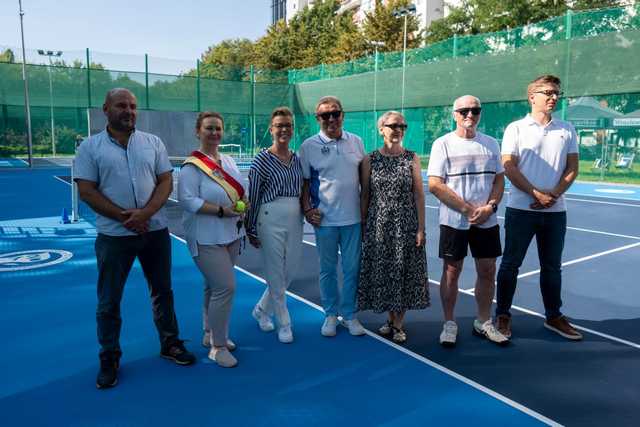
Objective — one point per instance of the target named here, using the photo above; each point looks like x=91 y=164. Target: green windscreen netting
x=595 y=53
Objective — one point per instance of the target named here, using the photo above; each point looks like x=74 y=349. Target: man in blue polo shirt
x=124 y=175
x=331 y=203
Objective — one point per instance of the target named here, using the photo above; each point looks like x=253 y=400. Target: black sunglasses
x=396 y=126
x=550 y=93
x=465 y=111
x=325 y=116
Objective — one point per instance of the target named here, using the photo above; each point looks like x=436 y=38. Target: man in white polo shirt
x=540 y=157
x=124 y=175
x=466 y=175
x=331 y=203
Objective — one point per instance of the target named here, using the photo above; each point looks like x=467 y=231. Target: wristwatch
x=220 y=212
x=494 y=207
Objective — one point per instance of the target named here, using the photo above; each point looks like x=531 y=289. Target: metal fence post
x=146 y=80
x=198 y=101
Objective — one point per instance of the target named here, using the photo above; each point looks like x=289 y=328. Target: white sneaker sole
x=481 y=334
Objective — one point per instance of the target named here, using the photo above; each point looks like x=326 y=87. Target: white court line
x=586 y=230
x=603 y=202
x=416 y=356
x=586 y=258
x=426 y=361
x=61 y=180
x=533 y=313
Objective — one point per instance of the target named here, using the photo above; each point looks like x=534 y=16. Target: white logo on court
x=37 y=258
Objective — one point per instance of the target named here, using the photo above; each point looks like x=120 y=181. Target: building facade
x=278 y=10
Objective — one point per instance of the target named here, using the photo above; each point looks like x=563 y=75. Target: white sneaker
x=329 y=326
x=285 y=335
x=449 y=334
x=222 y=357
x=355 y=327
x=488 y=330
x=206 y=341
x=264 y=321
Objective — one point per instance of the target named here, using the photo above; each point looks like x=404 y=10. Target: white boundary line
x=61 y=180
x=586 y=258
x=603 y=202
x=534 y=313
x=416 y=356
x=586 y=230
x=426 y=361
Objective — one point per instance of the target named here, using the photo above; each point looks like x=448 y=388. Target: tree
x=381 y=25
x=7 y=56
x=227 y=60
x=482 y=16
x=313 y=36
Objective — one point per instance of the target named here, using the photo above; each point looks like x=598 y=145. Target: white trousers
x=280 y=232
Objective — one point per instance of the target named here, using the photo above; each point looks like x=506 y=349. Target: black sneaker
x=178 y=353
x=108 y=374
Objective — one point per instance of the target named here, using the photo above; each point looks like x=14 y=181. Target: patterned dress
x=393 y=271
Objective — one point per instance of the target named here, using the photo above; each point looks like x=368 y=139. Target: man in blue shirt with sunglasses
x=331 y=202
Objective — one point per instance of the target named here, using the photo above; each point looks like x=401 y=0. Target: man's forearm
x=449 y=198
x=497 y=191
x=519 y=180
x=304 y=196
x=569 y=175
x=100 y=204
x=159 y=196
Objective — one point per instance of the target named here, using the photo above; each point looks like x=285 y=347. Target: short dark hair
x=281 y=111
x=207 y=114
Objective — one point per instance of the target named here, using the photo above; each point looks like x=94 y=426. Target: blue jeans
x=520 y=227
x=328 y=241
x=115 y=257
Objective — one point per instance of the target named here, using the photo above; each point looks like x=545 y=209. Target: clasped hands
x=477 y=214
x=543 y=199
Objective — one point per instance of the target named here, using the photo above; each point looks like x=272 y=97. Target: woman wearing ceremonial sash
x=274 y=222
x=213 y=199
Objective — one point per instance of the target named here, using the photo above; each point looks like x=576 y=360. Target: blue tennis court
x=47 y=294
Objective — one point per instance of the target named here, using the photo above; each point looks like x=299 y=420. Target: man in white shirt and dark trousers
x=466 y=175
x=124 y=175
x=331 y=203
x=540 y=157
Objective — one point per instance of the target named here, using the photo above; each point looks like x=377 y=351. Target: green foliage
x=7 y=56
x=227 y=60
x=382 y=25
x=471 y=17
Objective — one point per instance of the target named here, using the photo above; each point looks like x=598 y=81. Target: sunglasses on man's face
x=325 y=116
x=465 y=111
x=397 y=126
x=550 y=93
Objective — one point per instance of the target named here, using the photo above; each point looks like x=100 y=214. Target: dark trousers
x=115 y=256
x=549 y=228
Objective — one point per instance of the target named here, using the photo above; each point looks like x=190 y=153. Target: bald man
x=125 y=176
x=466 y=175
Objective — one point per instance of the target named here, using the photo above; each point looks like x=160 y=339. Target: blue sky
x=178 y=29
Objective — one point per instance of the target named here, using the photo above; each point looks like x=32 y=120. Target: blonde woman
x=393 y=267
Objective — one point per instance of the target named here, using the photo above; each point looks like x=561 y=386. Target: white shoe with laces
x=264 y=321
x=355 y=327
x=449 y=334
x=222 y=357
x=488 y=330
x=329 y=326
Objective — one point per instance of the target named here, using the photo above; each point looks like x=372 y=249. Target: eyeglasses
x=325 y=116
x=550 y=93
x=465 y=111
x=397 y=126
x=283 y=126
